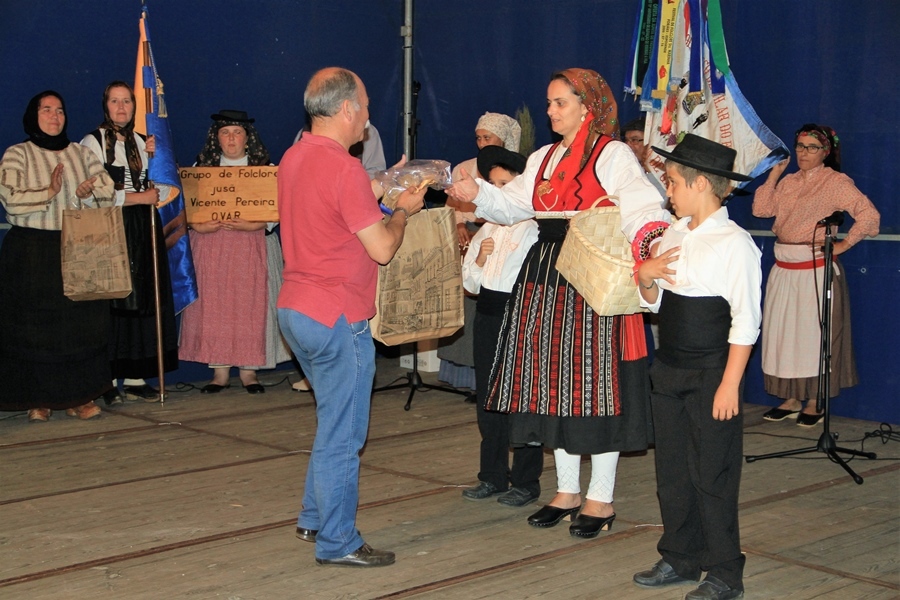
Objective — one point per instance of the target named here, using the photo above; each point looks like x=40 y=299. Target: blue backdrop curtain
x=832 y=62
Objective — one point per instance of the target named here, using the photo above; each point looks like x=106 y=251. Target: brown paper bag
x=420 y=292
x=94 y=255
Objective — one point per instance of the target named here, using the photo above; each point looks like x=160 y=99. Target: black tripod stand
x=827 y=441
x=414 y=381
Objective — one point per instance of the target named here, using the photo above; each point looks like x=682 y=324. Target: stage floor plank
x=198 y=499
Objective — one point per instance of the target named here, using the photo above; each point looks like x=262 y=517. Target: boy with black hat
x=705 y=283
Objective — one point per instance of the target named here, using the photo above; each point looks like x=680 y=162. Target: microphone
x=836 y=218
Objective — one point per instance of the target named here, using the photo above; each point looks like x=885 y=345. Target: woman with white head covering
x=492 y=129
x=457 y=361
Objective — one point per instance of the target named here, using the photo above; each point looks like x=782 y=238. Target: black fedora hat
x=704 y=155
x=491 y=156
x=232 y=115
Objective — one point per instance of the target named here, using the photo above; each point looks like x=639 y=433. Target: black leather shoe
x=661 y=574
x=365 y=556
x=307 y=535
x=518 y=497
x=587 y=526
x=255 y=388
x=481 y=491
x=549 y=516
x=214 y=388
x=714 y=588
x=112 y=397
x=141 y=392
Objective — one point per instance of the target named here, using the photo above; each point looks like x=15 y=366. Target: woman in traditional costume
x=572 y=380
x=791 y=336
x=457 y=358
x=238 y=265
x=132 y=341
x=53 y=351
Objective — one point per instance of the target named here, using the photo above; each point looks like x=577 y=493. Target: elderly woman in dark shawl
x=52 y=350
x=238 y=268
x=132 y=341
x=572 y=380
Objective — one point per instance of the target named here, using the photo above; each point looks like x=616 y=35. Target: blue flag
x=151 y=118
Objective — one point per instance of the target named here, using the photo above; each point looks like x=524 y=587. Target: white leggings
x=603 y=474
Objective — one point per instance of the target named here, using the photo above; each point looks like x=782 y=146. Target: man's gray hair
x=324 y=95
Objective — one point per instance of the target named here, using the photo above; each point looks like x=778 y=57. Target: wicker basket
x=596 y=259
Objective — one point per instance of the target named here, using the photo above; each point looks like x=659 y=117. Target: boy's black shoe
x=714 y=588
x=481 y=491
x=661 y=574
x=518 y=497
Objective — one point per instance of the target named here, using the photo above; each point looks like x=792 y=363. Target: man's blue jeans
x=340 y=364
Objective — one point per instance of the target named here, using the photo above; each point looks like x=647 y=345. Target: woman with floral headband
x=790 y=332
x=572 y=380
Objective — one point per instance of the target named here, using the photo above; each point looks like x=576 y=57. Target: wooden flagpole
x=157 y=296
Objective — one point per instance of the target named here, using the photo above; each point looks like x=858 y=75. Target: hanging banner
x=700 y=94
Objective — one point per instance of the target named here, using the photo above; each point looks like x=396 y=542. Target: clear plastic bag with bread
x=414 y=174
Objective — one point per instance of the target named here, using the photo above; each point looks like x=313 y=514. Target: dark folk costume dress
x=132 y=342
x=571 y=379
x=53 y=351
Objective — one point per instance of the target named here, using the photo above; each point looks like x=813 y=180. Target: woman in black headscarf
x=132 y=342
x=52 y=350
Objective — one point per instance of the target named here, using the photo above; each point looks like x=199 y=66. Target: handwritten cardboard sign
x=222 y=193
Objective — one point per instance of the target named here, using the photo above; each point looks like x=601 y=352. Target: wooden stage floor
x=199 y=498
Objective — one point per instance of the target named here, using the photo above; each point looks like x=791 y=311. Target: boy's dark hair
x=718 y=184
x=512 y=170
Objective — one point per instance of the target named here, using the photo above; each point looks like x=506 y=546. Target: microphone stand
x=414 y=382
x=827 y=441
x=413 y=379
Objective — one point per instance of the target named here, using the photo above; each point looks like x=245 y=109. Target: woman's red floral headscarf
x=602 y=119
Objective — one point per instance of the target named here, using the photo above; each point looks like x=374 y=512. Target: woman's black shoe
x=213 y=388
x=549 y=516
x=112 y=397
x=587 y=526
x=141 y=392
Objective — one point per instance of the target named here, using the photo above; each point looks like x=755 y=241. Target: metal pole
x=407 y=33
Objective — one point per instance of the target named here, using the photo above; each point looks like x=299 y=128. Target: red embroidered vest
x=582 y=192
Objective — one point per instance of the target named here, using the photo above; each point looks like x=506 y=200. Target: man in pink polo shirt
x=334 y=238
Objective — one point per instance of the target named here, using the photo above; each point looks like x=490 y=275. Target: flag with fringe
x=151 y=118
x=681 y=73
